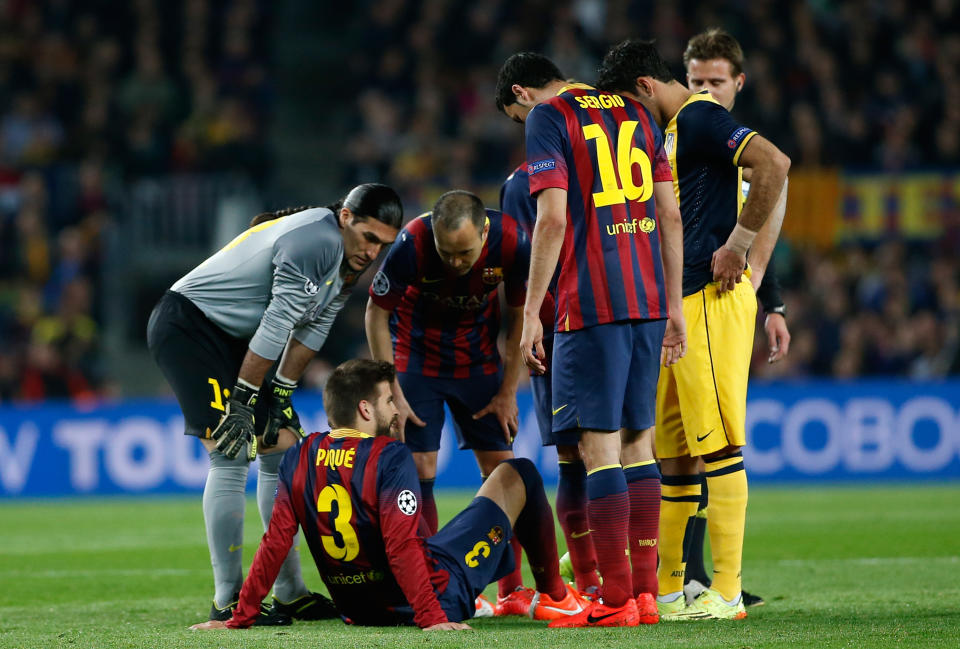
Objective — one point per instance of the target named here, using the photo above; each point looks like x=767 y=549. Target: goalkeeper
x=273 y=292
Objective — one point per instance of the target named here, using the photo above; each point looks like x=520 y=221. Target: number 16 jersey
x=606 y=151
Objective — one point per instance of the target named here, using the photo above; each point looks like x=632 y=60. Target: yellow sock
x=727 y=482
x=679 y=498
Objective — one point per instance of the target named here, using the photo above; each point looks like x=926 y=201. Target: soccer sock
x=728 y=513
x=643 y=487
x=680 y=496
x=695 y=567
x=514 y=580
x=289 y=584
x=572 y=513
x=223 y=504
x=608 y=508
x=535 y=531
x=428 y=508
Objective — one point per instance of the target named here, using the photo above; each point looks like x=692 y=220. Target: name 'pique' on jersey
x=444 y=325
x=607 y=152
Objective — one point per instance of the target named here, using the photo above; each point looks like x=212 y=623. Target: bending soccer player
x=354 y=492
x=714 y=62
x=516 y=201
x=701 y=401
x=274 y=291
x=603 y=190
x=434 y=310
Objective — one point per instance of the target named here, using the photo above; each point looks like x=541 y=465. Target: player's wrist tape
x=245 y=393
x=740 y=240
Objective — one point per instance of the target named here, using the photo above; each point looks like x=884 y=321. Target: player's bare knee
x=426 y=463
x=505 y=487
x=599 y=448
x=285 y=439
x=635 y=446
x=728 y=450
x=684 y=465
x=568 y=453
x=488 y=461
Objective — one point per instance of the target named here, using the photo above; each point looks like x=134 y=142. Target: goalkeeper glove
x=281 y=413
x=236 y=427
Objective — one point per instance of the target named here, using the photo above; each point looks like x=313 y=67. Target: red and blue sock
x=643 y=485
x=572 y=514
x=608 y=507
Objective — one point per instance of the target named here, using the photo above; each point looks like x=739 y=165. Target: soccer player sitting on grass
x=355 y=493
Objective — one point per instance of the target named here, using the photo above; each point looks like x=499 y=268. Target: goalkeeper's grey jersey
x=280 y=276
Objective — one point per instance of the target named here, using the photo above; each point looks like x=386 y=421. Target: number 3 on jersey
x=350 y=546
x=614 y=192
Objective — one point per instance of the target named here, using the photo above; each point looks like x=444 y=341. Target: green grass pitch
x=839 y=567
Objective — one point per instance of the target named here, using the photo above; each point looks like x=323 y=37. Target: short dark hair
x=628 y=60
x=373 y=200
x=715 y=43
x=352 y=382
x=455 y=206
x=528 y=69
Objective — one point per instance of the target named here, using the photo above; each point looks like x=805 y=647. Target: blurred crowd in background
x=95 y=95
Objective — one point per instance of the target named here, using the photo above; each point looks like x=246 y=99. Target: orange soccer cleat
x=516 y=603
x=600 y=615
x=544 y=607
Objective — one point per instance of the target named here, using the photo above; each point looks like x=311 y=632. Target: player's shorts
x=474 y=548
x=605 y=377
x=427 y=394
x=200 y=361
x=702 y=399
x=543 y=404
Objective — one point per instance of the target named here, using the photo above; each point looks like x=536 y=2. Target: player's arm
x=397 y=476
x=270 y=556
x=766 y=240
x=671 y=228
x=547 y=241
x=503 y=405
x=399 y=269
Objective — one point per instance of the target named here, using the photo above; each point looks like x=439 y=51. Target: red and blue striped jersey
x=356 y=499
x=606 y=152
x=443 y=324
x=516 y=201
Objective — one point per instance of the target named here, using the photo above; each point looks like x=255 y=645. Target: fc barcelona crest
x=495 y=534
x=492 y=275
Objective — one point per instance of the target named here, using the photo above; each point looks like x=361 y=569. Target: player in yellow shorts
x=701 y=401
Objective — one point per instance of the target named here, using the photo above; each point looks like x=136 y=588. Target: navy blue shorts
x=426 y=395
x=605 y=377
x=543 y=404
x=474 y=548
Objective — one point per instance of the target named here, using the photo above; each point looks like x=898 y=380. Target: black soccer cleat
x=312 y=606
x=267 y=617
x=752 y=600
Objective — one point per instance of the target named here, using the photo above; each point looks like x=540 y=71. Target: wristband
x=780 y=309
x=740 y=240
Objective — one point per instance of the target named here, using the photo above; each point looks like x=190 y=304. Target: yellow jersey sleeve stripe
x=573 y=86
x=736 y=156
x=604 y=468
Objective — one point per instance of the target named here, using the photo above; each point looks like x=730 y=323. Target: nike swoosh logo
x=556 y=410
x=431 y=281
x=579 y=535
x=591 y=618
x=234 y=548
x=700 y=439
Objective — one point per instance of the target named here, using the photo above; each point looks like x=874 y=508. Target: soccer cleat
x=267 y=616
x=566 y=567
x=647 y=609
x=483 y=607
x=666 y=608
x=591 y=594
x=710 y=605
x=598 y=614
x=693 y=588
x=312 y=606
x=515 y=603
x=750 y=599
x=544 y=607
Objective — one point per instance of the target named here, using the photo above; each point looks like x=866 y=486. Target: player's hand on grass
x=449 y=626
x=531 y=345
x=778 y=336
x=281 y=413
x=503 y=406
x=235 y=431
x=727 y=267
x=674 y=340
x=208 y=625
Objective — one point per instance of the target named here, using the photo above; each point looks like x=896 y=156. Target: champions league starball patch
x=407 y=502
x=310 y=288
x=381 y=285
